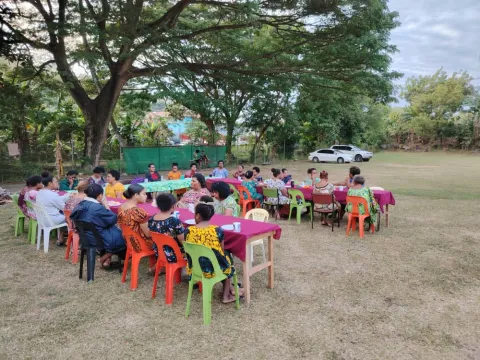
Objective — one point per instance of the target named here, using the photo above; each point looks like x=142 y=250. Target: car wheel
x=340 y=160
x=315 y=159
x=358 y=158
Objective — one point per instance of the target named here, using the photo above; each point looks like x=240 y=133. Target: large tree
x=124 y=40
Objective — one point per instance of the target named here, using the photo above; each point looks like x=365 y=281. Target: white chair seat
x=46 y=224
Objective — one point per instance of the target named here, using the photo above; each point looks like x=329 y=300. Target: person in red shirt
x=151 y=174
x=192 y=171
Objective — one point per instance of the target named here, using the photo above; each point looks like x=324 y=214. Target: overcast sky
x=436 y=33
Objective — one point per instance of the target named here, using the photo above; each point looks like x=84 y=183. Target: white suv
x=357 y=153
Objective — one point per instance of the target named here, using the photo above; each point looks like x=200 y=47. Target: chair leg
x=235 y=286
x=361 y=225
x=82 y=255
x=91 y=253
x=349 y=224
x=299 y=215
x=125 y=265
x=33 y=234
x=29 y=232
x=158 y=266
x=189 y=297
x=46 y=239
x=134 y=272
x=290 y=214
x=169 y=284
x=39 y=237
x=76 y=241
x=251 y=254
x=69 y=244
x=207 y=302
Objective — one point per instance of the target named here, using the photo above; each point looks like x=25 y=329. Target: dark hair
x=93 y=191
x=257 y=169
x=323 y=174
x=174 y=164
x=47 y=180
x=72 y=172
x=193 y=164
x=222 y=189
x=165 y=202
x=284 y=169
x=45 y=174
x=34 y=180
x=132 y=190
x=151 y=164
x=359 y=179
x=309 y=171
x=354 y=170
x=201 y=180
x=197 y=151
x=220 y=161
x=115 y=174
x=275 y=172
x=99 y=170
x=205 y=211
x=248 y=174
x=206 y=198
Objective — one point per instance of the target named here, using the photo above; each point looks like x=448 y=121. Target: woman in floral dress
x=198 y=189
x=324 y=187
x=224 y=203
x=276 y=183
x=251 y=186
x=359 y=189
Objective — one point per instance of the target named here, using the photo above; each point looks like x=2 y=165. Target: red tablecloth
x=233 y=242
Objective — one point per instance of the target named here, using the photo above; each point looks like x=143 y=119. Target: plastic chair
x=262 y=216
x=32 y=225
x=20 y=219
x=196 y=251
x=248 y=202
x=46 y=224
x=325 y=199
x=73 y=240
x=294 y=195
x=235 y=193
x=352 y=217
x=136 y=250
x=173 y=270
x=271 y=193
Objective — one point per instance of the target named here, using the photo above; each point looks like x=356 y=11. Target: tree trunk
x=20 y=135
x=58 y=155
x=121 y=140
x=229 y=139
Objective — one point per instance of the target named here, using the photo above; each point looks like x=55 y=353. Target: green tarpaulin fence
x=137 y=158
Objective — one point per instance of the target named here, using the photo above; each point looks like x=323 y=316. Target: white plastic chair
x=46 y=224
x=262 y=216
x=376 y=188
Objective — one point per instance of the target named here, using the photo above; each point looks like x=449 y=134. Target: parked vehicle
x=357 y=154
x=329 y=155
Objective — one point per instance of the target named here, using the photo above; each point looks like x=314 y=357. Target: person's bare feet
x=241 y=292
x=229 y=299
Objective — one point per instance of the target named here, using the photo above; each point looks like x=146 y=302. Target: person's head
x=45 y=174
x=175 y=167
x=94 y=191
x=256 y=171
x=284 y=172
x=35 y=182
x=98 y=172
x=240 y=168
x=193 y=167
x=136 y=192
x=197 y=151
x=72 y=174
x=354 y=171
x=204 y=210
x=276 y=173
x=323 y=175
x=50 y=182
x=113 y=176
x=165 y=203
x=151 y=167
x=198 y=182
x=220 y=190
x=220 y=164
x=358 y=180
x=248 y=175
x=82 y=186
x=312 y=173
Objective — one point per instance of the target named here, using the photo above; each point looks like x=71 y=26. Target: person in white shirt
x=220 y=171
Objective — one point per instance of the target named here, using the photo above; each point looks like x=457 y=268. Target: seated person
x=204 y=158
x=114 y=188
x=211 y=236
x=70 y=182
x=152 y=174
x=220 y=171
x=256 y=174
x=97 y=177
x=286 y=178
x=312 y=178
x=165 y=223
x=52 y=203
x=251 y=186
x=189 y=173
x=174 y=174
x=276 y=183
x=94 y=209
x=224 y=203
x=349 y=180
x=324 y=187
x=358 y=188
x=75 y=199
x=197 y=157
x=198 y=189
x=240 y=172
x=34 y=185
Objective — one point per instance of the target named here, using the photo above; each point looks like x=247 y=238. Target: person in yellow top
x=114 y=187
x=176 y=175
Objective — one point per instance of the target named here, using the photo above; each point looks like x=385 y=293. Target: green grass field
x=410 y=291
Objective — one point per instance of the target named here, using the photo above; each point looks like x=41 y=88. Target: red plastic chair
x=247 y=203
x=136 y=250
x=352 y=217
x=73 y=240
x=173 y=270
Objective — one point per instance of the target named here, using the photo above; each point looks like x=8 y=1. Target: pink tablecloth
x=233 y=242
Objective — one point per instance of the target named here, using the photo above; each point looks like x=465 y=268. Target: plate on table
x=227 y=227
x=114 y=203
x=190 y=222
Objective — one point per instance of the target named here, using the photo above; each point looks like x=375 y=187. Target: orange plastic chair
x=248 y=202
x=352 y=217
x=73 y=240
x=136 y=250
x=173 y=270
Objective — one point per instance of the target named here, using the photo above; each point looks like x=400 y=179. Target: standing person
x=198 y=189
x=224 y=204
x=358 y=188
x=251 y=185
x=353 y=171
x=192 y=171
x=70 y=182
x=240 y=172
x=34 y=184
x=152 y=174
x=97 y=177
x=256 y=174
x=220 y=171
x=286 y=178
x=114 y=188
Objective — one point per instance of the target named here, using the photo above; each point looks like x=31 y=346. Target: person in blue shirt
x=286 y=178
x=220 y=171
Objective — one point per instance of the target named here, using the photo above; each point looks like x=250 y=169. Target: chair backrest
x=244 y=192
x=44 y=220
x=82 y=228
x=322 y=199
x=15 y=201
x=234 y=192
x=356 y=201
x=161 y=240
x=196 y=251
x=376 y=188
x=270 y=192
x=134 y=240
x=261 y=215
x=295 y=194
x=138 y=180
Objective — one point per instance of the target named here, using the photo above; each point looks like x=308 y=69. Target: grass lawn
x=410 y=291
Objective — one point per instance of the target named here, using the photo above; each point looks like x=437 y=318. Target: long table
x=238 y=243
x=165 y=185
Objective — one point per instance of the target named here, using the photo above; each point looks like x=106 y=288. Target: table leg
x=246 y=274
x=270 y=260
x=386 y=215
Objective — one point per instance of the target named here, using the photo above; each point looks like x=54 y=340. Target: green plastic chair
x=20 y=219
x=235 y=193
x=32 y=226
x=294 y=195
x=271 y=193
x=196 y=251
